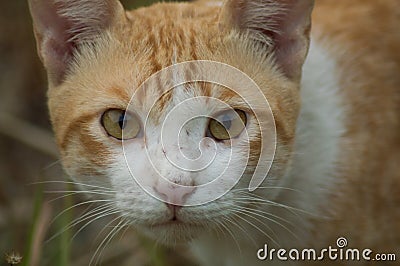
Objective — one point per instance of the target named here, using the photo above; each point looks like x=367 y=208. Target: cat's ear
x=283 y=24
x=62 y=25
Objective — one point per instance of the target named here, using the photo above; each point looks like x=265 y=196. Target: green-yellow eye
x=230 y=125
x=120 y=124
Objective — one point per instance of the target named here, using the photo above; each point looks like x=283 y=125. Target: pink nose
x=173 y=194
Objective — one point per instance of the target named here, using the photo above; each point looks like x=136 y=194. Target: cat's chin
x=173 y=232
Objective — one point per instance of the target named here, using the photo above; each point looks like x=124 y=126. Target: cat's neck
x=320 y=128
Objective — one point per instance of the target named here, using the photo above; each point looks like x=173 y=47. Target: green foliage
x=37 y=207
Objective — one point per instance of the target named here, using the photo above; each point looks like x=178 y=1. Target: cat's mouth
x=175 y=220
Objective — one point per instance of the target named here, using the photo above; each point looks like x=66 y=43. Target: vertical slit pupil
x=121 y=121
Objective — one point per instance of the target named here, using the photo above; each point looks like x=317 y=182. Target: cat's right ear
x=61 y=26
x=282 y=25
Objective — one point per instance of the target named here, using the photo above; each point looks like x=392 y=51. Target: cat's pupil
x=121 y=121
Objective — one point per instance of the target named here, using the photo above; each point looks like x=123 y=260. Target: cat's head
x=101 y=62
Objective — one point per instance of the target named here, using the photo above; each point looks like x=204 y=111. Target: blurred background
x=32 y=222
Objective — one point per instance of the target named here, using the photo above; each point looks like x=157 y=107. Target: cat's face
x=109 y=126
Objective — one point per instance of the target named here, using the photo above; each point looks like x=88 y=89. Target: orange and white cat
x=334 y=92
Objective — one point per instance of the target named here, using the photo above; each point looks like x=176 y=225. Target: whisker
x=77 y=205
x=76 y=193
x=290 y=209
x=256 y=227
x=116 y=230
x=244 y=231
x=95 y=217
x=280 y=188
x=249 y=199
x=269 y=214
x=218 y=230
x=71 y=182
x=127 y=224
x=50 y=165
x=79 y=220
x=244 y=211
x=103 y=241
x=225 y=218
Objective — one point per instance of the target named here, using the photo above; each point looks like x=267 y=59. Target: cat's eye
x=120 y=124
x=228 y=125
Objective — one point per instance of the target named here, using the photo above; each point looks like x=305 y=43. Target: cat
x=334 y=92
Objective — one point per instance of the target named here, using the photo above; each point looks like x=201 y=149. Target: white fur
x=319 y=130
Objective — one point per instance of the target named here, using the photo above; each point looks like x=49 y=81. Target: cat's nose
x=173 y=194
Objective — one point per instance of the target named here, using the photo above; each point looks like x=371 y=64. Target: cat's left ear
x=283 y=25
x=62 y=26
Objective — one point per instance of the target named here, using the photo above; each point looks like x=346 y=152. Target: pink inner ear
x=53 y=34
x=292 y=40
x=57 y=56
x=60 y=27
x=290 y=52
